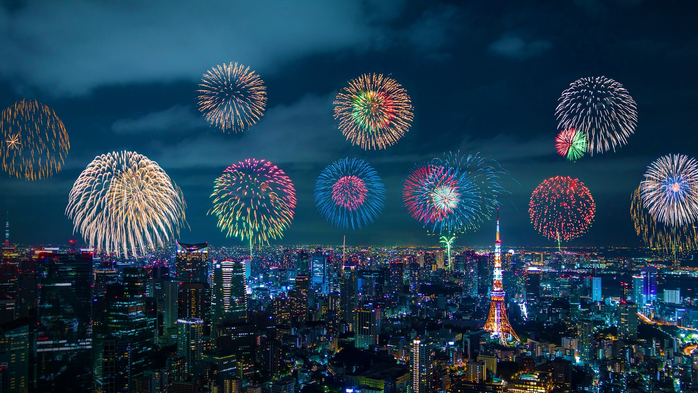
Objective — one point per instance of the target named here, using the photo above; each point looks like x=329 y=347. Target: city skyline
x=476 y=87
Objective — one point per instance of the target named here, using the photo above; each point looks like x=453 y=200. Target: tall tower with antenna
x=7 y=230
x=497 y=321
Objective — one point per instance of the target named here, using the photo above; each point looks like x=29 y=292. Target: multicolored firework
x=374 y=111
x=656 y=235
x=670 y=190
x=232 y=97
x=601 y=109
x=484 y=174
x=349 y=193
x=561 y=208
x=441 y=198
x=124 y=203
x=34 y=141
x=571 y=143
x=254 y=200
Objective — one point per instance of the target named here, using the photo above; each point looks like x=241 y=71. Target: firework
x=34 y=141
x=349 y=193
x=254 y=200
x=561 y=208
x=600 y=108
x=484 y=174
x=125 y=203
x=571 y=143
x=657 y=235
x=232 y=97
x=670 y=190
x=374 y=111
x=441 y=198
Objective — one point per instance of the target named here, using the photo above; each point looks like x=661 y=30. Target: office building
x=189 y=346
x=229 y=292
x=194 y=301
x=15 y=346
x=191 y=262
x=649 y=278
x=367 y=323
x=627 y=321
x=422 y=359
x=475 y=371
x=638 y=291
x=596 y=285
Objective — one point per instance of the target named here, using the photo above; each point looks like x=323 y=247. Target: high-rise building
x=397 y=274
x=596 y=295
x=475 y=371
x=627 y=323
x=672 y=296
x=348 y=293
x=497 y=321
x=229 y=292
x=649 y=278
x=321 y=268
x=422 y=359
x=15 y=344
x=192 y=262
x=194 y=301
x=189 y=346
x=135 y=281
x=64 y=355
x=639 y=291
x=367 y=322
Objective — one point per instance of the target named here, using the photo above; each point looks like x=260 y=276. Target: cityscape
x=348 y=196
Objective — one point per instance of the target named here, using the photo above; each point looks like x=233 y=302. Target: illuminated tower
x=497 y=322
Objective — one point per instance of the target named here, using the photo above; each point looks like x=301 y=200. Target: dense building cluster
x=194 y=318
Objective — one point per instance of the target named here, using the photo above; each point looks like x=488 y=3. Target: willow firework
x=349 y=193
x=670 y=190
x=561 y=208
x=656 y=235
x=484 y=174
x=441 y=198
x=254 y=200
x=374 y=111
x=571 y=144
x=232 y=97
x=124 y=203
x=34 y=141
x=600 y=108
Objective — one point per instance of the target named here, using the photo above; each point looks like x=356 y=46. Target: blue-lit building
x=596 y=288
x=649 y=279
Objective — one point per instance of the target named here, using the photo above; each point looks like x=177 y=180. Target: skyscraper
x=397 y=273
x=649 y=278
x=497 y=321
x=639 y=291
x=229 y=292
x=194 y=301
x=189 y=334
x=366 y=326
x=422 y=358
x=321 y=268
x=627 y=325
x=596 y=285
x=64 y=355
x=192 y=262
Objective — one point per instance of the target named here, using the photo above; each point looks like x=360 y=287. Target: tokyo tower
x=497 y=322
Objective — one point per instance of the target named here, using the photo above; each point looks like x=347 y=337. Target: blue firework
x=349 y=193
x=485 y=174
x=443 y=199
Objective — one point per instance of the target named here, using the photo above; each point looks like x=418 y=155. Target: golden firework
x=659 y=236
x=34 y=141
x=374 y=111
x=124 y=203
x=232 y=97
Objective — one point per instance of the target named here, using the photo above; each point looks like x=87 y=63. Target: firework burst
x=670 y=190
x=254 y=200
x=561 y=208
x=441 y=198
x=374 y=111
x=657 y=235
x=600 y=108
x=34 y=141
x=571 y=143
x=484 y=174
x=349 y=193
x=232 y=97
x=124 y=203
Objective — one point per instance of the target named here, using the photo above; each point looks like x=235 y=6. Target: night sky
x=483 y=77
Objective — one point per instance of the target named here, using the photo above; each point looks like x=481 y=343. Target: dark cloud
x=178 y=117
x=516 y=47
x=71 y=47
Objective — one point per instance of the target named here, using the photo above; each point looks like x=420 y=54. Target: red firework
x=562 y=208
x=349 y=192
